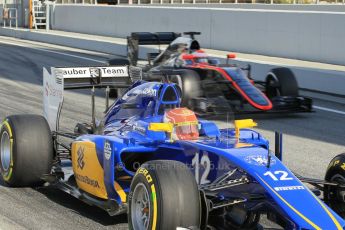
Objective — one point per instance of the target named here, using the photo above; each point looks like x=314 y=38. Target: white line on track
x=55 y=52
x=329 y=110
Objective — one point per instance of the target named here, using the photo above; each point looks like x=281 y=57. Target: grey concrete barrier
x=257 y=6
x=75 y=42
x=306 y=35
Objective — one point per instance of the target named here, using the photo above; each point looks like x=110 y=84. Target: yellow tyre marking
x=149 y=179
x=154 y=200
x=8 y=127
x=9 y=173
x=343 y=166
x=120 y=192
x=290 y=206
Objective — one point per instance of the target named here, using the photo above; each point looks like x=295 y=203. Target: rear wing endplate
x=59 y=79
x=147 y=38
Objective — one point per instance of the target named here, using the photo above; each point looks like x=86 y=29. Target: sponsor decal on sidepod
x=107 y=150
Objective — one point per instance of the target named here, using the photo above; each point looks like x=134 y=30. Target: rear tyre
x=281 y=82
x=163 y=195
x=26 y=150
x=333 y=196
x=190 y=85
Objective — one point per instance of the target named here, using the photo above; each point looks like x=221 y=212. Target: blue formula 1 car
x=159 y=163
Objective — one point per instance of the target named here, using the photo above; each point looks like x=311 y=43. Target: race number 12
x=206 y=164
x=281 y=175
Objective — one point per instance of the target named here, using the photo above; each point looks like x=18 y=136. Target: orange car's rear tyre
x=190 y=85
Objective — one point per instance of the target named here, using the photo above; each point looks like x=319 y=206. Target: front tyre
x=163 y=195
x=334 y=196
x=26 y=149
x=281 y=82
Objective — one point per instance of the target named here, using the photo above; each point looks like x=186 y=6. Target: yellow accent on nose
x=336 y=223
x=290 y=206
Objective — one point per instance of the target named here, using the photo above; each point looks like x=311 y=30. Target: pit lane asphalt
x=310 y=140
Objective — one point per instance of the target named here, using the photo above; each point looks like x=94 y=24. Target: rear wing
x=59 y=79
x=147 y=38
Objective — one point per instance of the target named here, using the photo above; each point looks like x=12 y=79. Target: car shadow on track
x=94 y=213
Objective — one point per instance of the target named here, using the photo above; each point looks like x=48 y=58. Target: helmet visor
x=187 y=131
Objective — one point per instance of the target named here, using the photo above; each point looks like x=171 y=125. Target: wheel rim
x=140 y=208
x=272 y=90
x=338 y=179
x=5 y=151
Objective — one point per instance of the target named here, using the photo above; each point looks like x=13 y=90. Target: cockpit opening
x=170 y=95
x=170 y=99
x=194 y=45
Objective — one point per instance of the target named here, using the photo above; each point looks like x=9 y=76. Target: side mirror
x=240 y=124
x=161 y=127
x=230 y=56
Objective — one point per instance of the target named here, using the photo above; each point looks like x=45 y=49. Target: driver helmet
x=185 y=124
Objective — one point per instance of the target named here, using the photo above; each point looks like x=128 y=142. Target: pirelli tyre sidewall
x=6 y=138
x=174 y=199
x=143 y=176
x=333 y=196
x=26 y=143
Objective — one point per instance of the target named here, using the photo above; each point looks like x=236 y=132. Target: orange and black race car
x=209 y=86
